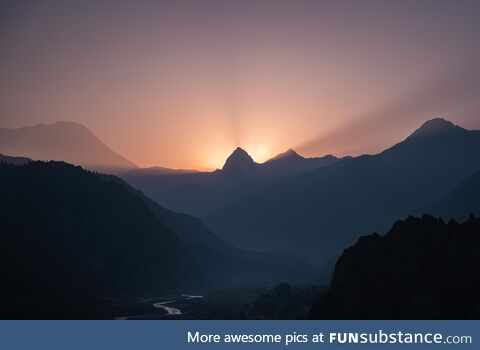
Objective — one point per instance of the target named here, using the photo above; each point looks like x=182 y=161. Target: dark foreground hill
x=422 y=268
x=67 y=231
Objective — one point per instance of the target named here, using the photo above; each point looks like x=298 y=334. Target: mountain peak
x=437 y=123
x=436 y=126
x=240 y=150
x=289 y=154
x=238 y=162
x=67 y=141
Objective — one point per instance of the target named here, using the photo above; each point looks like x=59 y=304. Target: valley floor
x=279 y=302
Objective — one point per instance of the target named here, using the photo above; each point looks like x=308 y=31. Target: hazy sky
x=181 y=83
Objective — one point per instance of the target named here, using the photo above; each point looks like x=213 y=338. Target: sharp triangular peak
x=239 y=160
x=289 y=154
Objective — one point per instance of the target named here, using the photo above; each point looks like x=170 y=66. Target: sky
x=182 y=83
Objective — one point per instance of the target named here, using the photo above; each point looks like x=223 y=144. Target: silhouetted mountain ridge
x=436 y=127
x=199 y=238
x=422 y=268
x=238 y=163
x=67 y=231
x=203 y=192
x=63 y=141
x=14 y=160
x=82 y=233
x=288 y=154
x=371 y=190
x=160 y=171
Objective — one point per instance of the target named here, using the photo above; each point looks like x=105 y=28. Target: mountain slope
x=421 y=269
x=14 y=160
x=63 y=141
x=199 y=193
x=231 y=265
x=465 y=199
x=307 y=212
x=67 y=230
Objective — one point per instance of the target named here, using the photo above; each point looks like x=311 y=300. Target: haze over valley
x=256 y=159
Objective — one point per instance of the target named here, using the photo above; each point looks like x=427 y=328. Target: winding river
x=170 y=310
x=164 y=305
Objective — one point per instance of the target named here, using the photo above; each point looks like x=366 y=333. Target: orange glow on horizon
x=166 y=84
x=215 y=159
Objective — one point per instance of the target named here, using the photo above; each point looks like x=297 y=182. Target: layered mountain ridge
x=63 y=141
x=89 y=233
x=200 y=193
x=371 y=190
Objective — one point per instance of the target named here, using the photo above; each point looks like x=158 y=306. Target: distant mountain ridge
x=288 y=154
x=63 y=141
x=458 y=204
x=200 y=240
x=199 y=193
x=14 y=160
x=306 y=213
x=435 y=127
x=292 y=163
x=159 y=171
